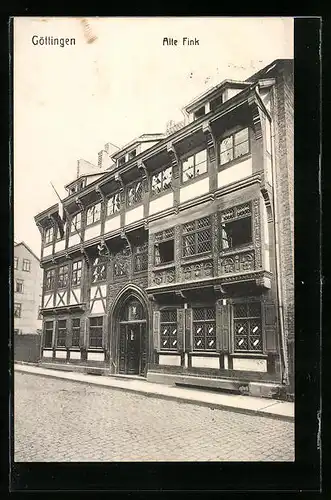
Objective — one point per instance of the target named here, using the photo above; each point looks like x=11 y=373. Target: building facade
x=27 y=290
x=176 y=259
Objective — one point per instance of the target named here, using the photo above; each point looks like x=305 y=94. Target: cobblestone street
x=62 y=421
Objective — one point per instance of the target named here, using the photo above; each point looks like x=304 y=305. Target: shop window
x=75 y=332
x=196 y=237
x=96 y=328
x=61 y=333
x=204 y=329
x=247 y=327
x=48 y=334
x=168 y=330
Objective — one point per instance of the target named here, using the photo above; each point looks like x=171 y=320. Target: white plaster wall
x=73 y=240
x=112 y=224
x=161 y=203
x=205 y=362
x=92 y=232
x=134 y=214
x=75 y=355
x=267 y=160
x=48 y=251
x=48 y=300
x=147 y=145
x=97 y=307
x=72 y=298
x=194 y=190
x=61 y=354
x=95 y=356
x=253 y=365
x=169 y=359
x=235 y=173
x=60 y=245
x=47 y=354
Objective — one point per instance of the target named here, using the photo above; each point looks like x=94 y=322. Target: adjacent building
x=175 y=261
x=27 y=290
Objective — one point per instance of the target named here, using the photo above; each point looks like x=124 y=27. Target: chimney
x=104 y=156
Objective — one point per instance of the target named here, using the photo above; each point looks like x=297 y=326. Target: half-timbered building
x=176 y=258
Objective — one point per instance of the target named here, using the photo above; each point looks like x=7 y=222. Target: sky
x=70 y=101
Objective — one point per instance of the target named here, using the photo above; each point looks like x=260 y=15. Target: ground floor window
x=204 y=329
x=48 y=334
x=96 y=328
x=247 y=327
x=61 y=333
x=75 y=332
x=168 y=329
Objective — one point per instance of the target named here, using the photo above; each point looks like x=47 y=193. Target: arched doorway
x=132 y=323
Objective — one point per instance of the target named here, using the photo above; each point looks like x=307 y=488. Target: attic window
x=132 y=154
x=121 y=161
x=200 y=112
x=216 y=102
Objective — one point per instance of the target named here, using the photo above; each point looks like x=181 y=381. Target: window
x=204 y=329
x=93 y=214
x=132 y=154
x=236 y=226
x=48 y=334
x=162 y=180
x=19 y=286
x=26 y=265
x=50 y=280
x=75 y=332
x=121 y=161
x=134 y=193
x=133 y=310
x=216 y=102
x=196 y=237
x=168 y=324
x=114 y=204
x=247 y=327
x=200 y=112
x=99 y=269
x=17 y=310
x=140 y=258
x=61 y=333
x=96 y=325
x=194 y=166
x=76 y=223
x=49 y=233
x=76 y=273
x=63 y=276
x=234 y=146
x=164 y=252
x=15 y=262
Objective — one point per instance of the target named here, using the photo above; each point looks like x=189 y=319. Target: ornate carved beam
x=125 y=237
x=118 y=178
x=210 y=138
x=256 y=114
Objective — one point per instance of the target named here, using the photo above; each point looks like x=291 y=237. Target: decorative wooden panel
x=199 y=270
x=156 y=330
x=269 y=326
x=180 y=330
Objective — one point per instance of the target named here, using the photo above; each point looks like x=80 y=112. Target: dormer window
x=49 y=234
x=93 y=214
x=194 y=166
x=132 y=154
x=200 y=112
x=121 y=161
x=77 y=187
x=215 y=103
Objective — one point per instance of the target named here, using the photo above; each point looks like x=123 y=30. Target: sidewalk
x=230 y=402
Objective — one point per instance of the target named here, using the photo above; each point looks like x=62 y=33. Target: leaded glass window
x=134 y=193
x=168 y=324
x=63 y=276
x=93 y=214
x=99 y=269
x=50 y=279
x=140 y=257
x=196 y=237
x=204 y=329
x=114 y=204
x=247 y=327
x=162 y=180
x=76 y=273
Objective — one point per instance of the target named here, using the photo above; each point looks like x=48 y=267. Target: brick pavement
x=58 y=420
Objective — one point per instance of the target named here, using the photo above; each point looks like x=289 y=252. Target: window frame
x=135 y=201
x=59 y=274
x=26 y=261
x=140 y=250
x=236 y=217
x=73 y=230
x=16 y=259
x=72 y=284
x=170 y=347
x=95 y=326
x=161 y=171
x=21 y=282
x=103 y=262
x=193 y=155
x=240 y=352
x=57 y=333
x=235 y=159
x=19 y=309
x=196 y=231
x=117 y=212
x=90 y=207
x=47 y=271
x=204 y=322
x=48 y=329
x=75 y=318
x=49 y=230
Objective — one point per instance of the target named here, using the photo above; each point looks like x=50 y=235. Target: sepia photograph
x=153 y=271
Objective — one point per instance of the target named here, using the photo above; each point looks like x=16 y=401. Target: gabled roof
x=28 y=248
x=135 y=142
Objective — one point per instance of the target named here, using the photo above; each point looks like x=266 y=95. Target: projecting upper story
x=226 y=144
